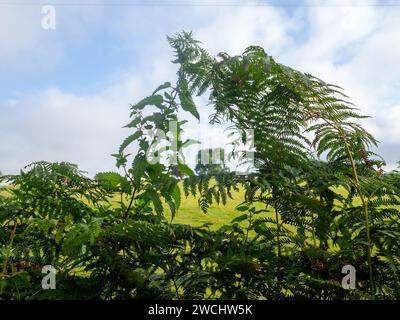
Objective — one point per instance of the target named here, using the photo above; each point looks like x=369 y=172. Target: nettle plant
x=156 y=134
x=311 y=207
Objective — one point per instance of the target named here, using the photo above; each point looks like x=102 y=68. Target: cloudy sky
x=65 y=93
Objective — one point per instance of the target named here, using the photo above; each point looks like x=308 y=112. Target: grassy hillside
x=218 y=215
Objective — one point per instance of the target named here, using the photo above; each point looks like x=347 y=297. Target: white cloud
x=57 y=126
x=13 y=32
x=237 y=28
x=358 y=49
x=27 y=47
x=389 y=128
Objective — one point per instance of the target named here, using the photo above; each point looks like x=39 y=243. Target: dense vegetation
x=111 y=237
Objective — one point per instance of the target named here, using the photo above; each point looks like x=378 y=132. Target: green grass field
x=218 y=214
x=190 y=212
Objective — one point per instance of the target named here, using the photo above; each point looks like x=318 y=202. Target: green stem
x=313 y=229
x=4 y=272
x=367 y=227
x=278 y=233
x=363 y=201
x=279 y=249
x=130 y=203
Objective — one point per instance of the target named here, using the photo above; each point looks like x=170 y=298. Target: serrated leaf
x=186 y=99
x=176 y=195
x=138 y=168
x=111 y=180
x=153 y=196
x=129 y=140
x=155 y=100
x=162 y=87
x=133 y=123
x=157 y=118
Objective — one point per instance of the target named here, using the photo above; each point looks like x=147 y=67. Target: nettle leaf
x=129 y=140
x=155 y=199
x=133 y=123
x=121 y=159
x=162 y=87
x=138 y=168
x=157 y=118
x=154 y=100
x=111 y=180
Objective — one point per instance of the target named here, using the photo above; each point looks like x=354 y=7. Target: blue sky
x=65 y=93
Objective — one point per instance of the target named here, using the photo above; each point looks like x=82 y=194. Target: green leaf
x=242 y=208
x=176 y=195
x=133 y=123
x=153 y=196
x=186 y=99
x=155 y=100
x=240 y=218
x=112 y=180
x=185 y=169
x=138 y=168
x=162 y=87
x=172 y=208
x=121 y=159
x=157 y=118
x=129 y=140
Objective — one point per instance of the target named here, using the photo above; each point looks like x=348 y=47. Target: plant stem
x=313 y=229
x=9 y=249
x=366 y=217
x=363 y=201
x=279 y=249
x=278 y=233
x=130 y=203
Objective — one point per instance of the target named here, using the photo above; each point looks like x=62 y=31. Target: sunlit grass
x=217 y=215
